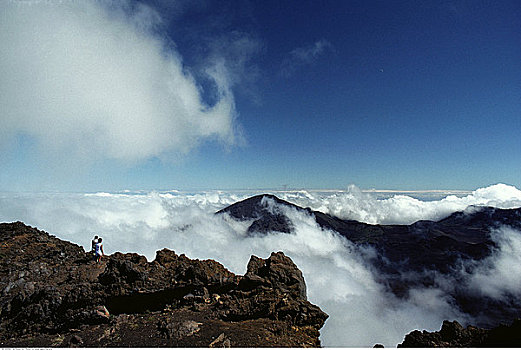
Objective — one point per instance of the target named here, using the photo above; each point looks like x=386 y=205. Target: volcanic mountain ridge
x=422 y=250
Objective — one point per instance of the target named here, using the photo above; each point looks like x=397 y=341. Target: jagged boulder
x=279 y=271
x=273 y=288
x=451 y=334
x=124 y=270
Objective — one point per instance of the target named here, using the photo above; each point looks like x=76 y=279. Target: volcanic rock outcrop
x=453 y=335
x=53 y=294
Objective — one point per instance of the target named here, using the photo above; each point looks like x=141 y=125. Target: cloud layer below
x=339 y=278
x=95 y=79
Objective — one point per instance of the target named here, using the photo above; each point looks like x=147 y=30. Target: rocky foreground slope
x=53 y=294
x=454 y=335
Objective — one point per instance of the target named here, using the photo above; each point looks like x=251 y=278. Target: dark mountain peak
x=254 y=207
x=266 y=212
x=463 y=228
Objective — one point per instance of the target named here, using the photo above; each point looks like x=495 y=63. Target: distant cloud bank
x=95 y=79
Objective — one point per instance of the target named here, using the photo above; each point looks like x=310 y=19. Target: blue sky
x=262 y=94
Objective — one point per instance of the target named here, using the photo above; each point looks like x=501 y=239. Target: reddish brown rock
x=53 y=294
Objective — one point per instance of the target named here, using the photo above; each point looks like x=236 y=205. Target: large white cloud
x=99 y=79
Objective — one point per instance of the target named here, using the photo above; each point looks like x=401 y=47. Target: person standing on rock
x=93 y=246
x=99 y=250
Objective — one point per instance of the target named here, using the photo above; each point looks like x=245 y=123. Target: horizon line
x=372 y=190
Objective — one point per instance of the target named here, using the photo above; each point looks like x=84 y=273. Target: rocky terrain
x=54 y=294
x=453 y=335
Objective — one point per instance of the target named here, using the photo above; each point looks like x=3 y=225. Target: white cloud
x=97 y=79
x=235 y=52
x=309 y=53
x=354 y=204
x=499 y=275
x=303 y=56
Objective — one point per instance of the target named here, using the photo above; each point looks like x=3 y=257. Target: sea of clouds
x=339 y=279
